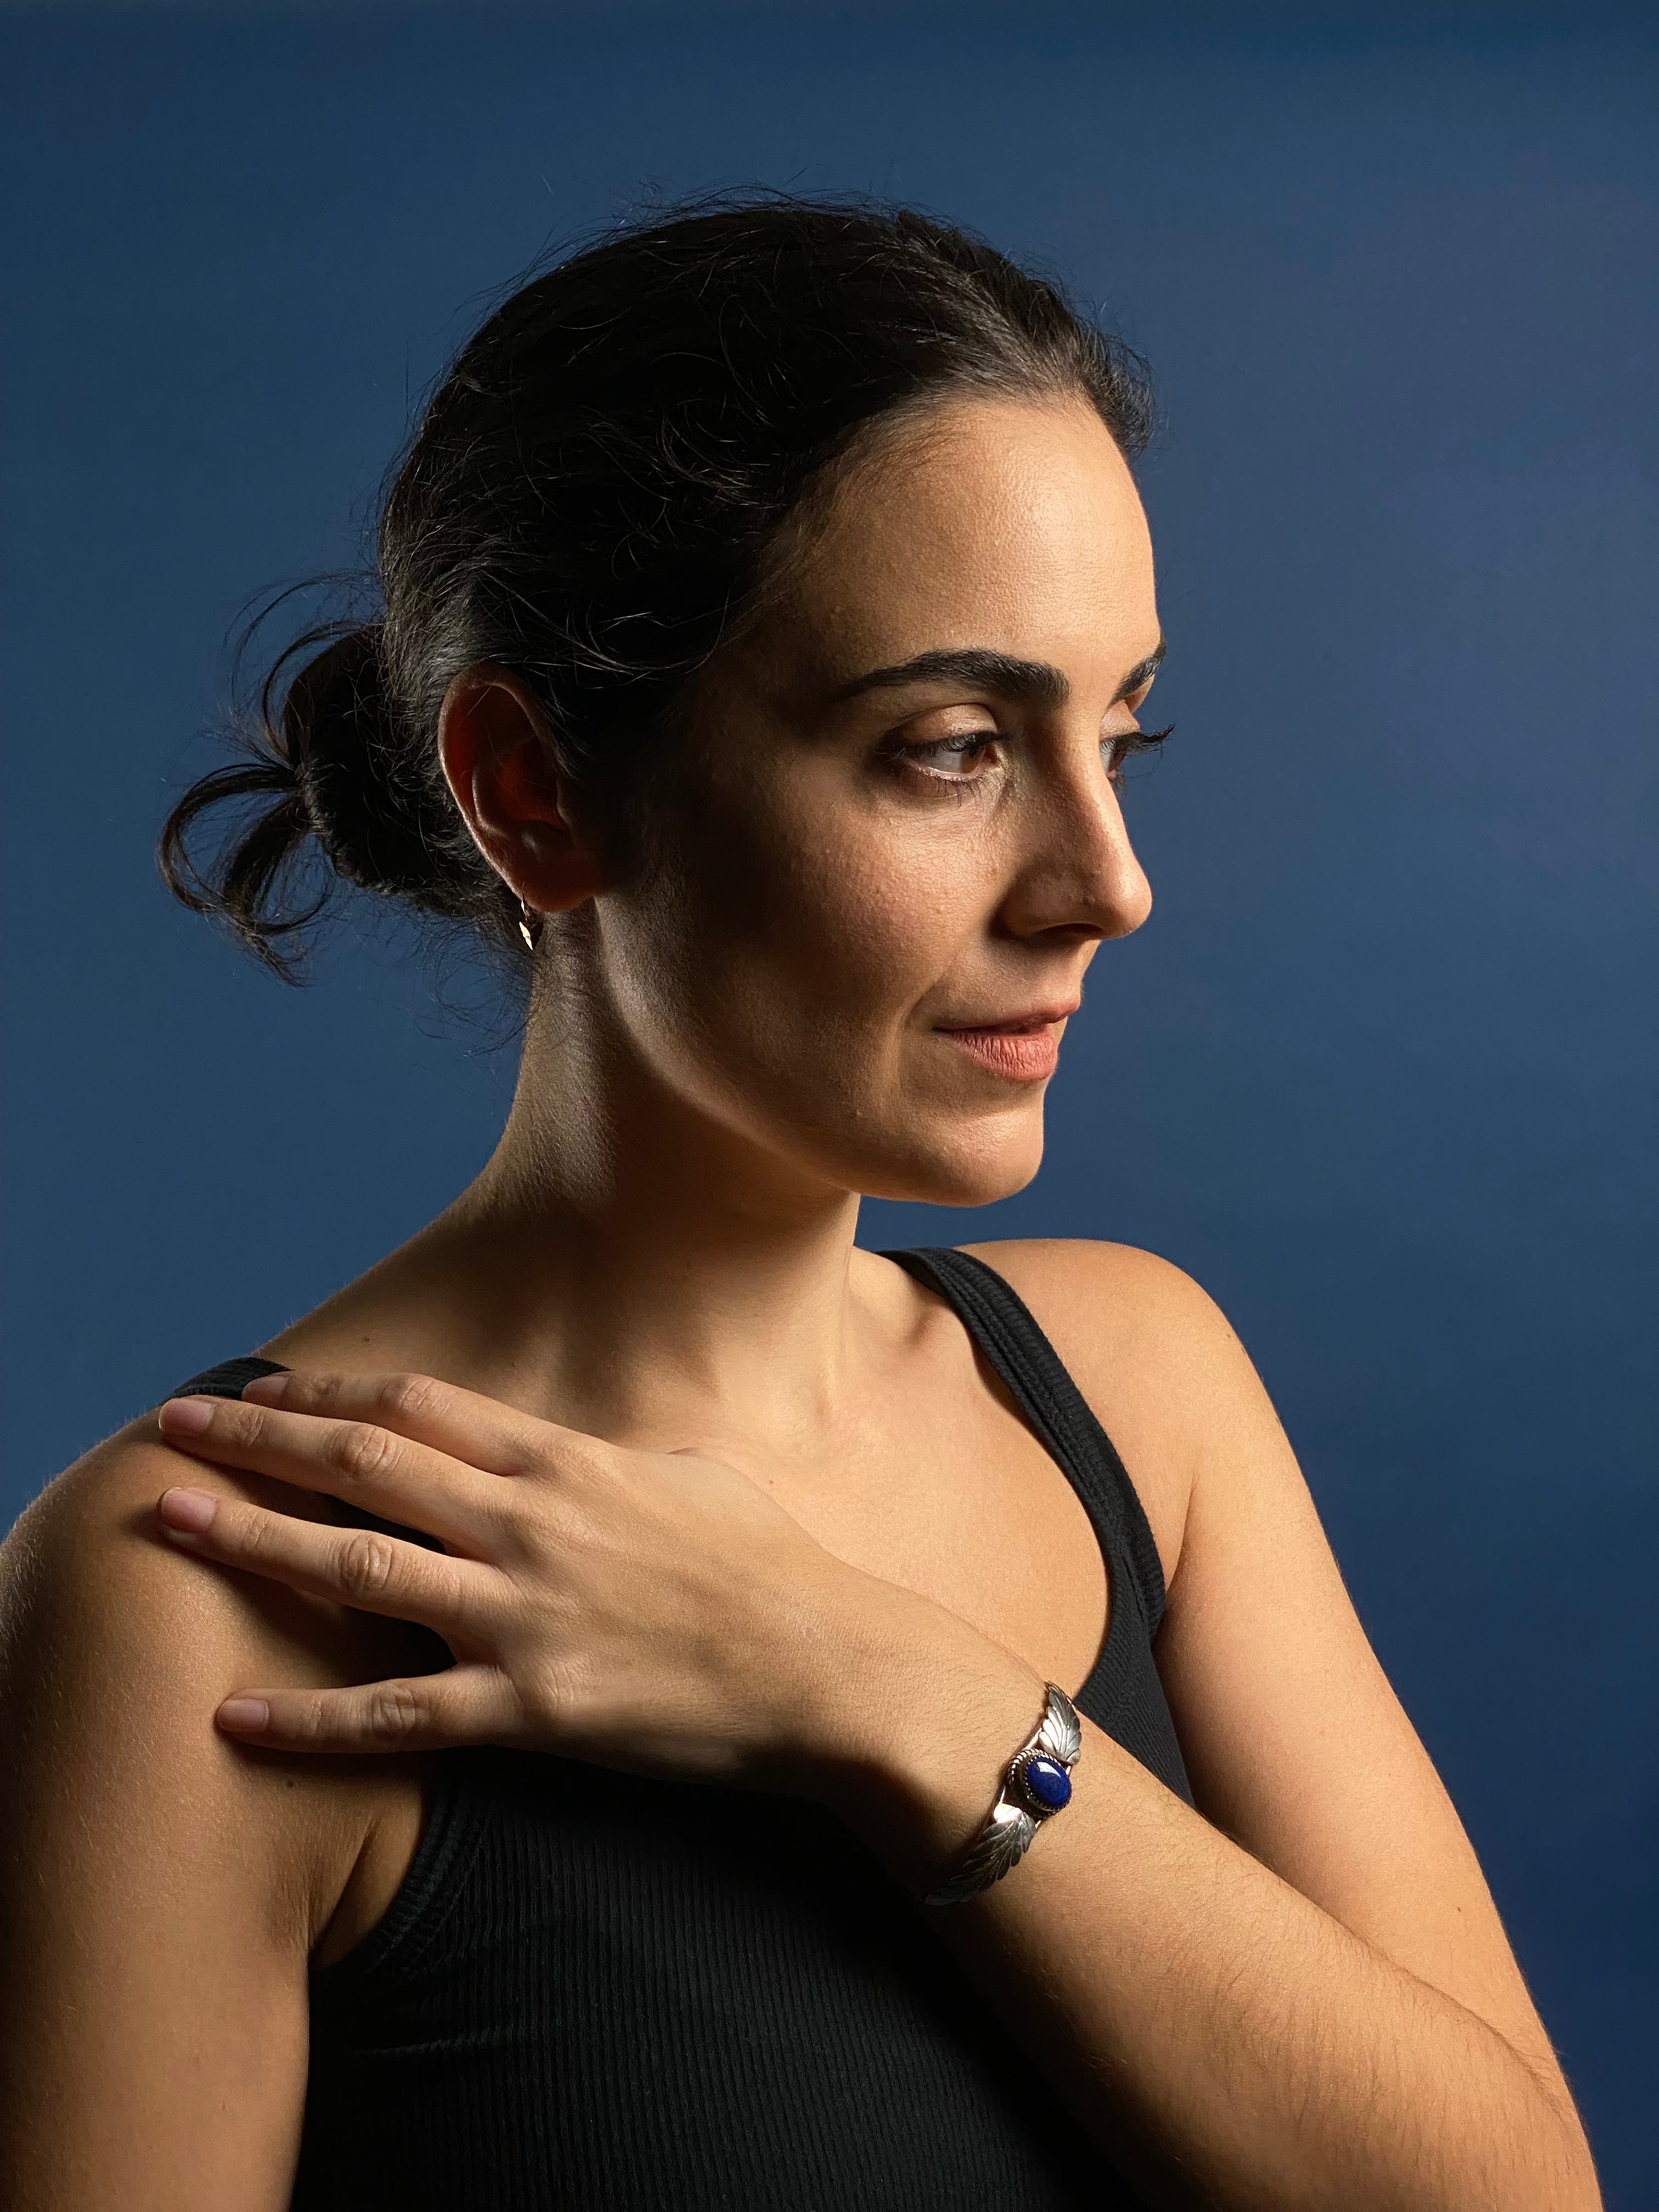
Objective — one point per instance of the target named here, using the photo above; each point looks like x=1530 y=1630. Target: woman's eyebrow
x=978 y=668
x=1142 y=673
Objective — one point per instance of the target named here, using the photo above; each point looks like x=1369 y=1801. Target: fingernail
x=265 y=1389
x=185 y=1416
x=189 y=1509
x=245 y=1713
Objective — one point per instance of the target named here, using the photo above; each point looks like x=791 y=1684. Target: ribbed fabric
x=597 y=1990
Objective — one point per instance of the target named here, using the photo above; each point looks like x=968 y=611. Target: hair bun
x=340 y=734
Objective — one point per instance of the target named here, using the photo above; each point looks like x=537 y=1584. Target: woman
x=640 y=1627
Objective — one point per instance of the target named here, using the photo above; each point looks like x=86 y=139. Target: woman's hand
x=657 y=1611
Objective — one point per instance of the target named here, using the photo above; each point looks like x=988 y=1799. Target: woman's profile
x=636 y=1701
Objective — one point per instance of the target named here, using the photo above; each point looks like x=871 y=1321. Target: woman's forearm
x=1233 y=2043
x=1236 y=2043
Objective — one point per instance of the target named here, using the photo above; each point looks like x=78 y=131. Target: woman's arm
x=159 y=1885
x=1306 y=1999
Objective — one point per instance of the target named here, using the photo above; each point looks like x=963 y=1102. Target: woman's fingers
x=357 y=1567
x=493 y=1437
x=420 y=1712
x=392 y=1476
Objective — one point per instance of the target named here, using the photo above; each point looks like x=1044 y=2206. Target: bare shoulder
x=1153 y=1354
x=115 y=1650
x=162 y=1888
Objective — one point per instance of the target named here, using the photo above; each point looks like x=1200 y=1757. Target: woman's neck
x=624 y=1264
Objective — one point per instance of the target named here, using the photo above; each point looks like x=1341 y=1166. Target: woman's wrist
x=915 y=1729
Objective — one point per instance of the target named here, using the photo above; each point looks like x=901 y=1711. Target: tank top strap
x=1006 y=1331
x=227 y=1378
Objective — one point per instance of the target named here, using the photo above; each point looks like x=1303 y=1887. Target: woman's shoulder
x=163 y=1889
x=89 y=1551
x=115 y=1651
x=1150 y=1351
x=1118 y=1292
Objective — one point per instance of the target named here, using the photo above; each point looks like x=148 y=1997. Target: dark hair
x=588 y=500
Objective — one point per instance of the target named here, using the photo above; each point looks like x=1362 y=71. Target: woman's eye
x=1117 y=751
x=952 y=759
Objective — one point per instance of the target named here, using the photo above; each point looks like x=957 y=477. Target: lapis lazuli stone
x=1049 y=1783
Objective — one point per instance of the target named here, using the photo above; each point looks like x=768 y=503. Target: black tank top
x=623 y=1995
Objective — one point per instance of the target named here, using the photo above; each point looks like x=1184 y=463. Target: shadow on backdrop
x=1378 y=1073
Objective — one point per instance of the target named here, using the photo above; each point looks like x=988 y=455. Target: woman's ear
x=499 y=761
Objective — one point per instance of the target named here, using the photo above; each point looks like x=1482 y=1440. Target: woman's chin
x=963 y=1170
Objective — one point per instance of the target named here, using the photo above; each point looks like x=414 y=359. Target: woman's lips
x=1022 y=1052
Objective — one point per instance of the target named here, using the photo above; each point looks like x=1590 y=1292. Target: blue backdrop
x=1379 y=1072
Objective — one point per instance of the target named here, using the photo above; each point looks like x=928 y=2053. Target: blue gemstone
x=1049 y=1783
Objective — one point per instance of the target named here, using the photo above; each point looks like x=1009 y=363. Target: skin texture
x=724 y=1495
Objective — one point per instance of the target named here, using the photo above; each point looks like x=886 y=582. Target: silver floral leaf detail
x=1002 y=1843
x=1061 y=1733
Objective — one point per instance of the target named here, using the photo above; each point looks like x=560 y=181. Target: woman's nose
x=1080 y=873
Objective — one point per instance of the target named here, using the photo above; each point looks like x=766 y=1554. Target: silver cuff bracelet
x=1037 y=1784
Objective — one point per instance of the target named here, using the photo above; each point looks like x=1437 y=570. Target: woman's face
x=890 y=851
